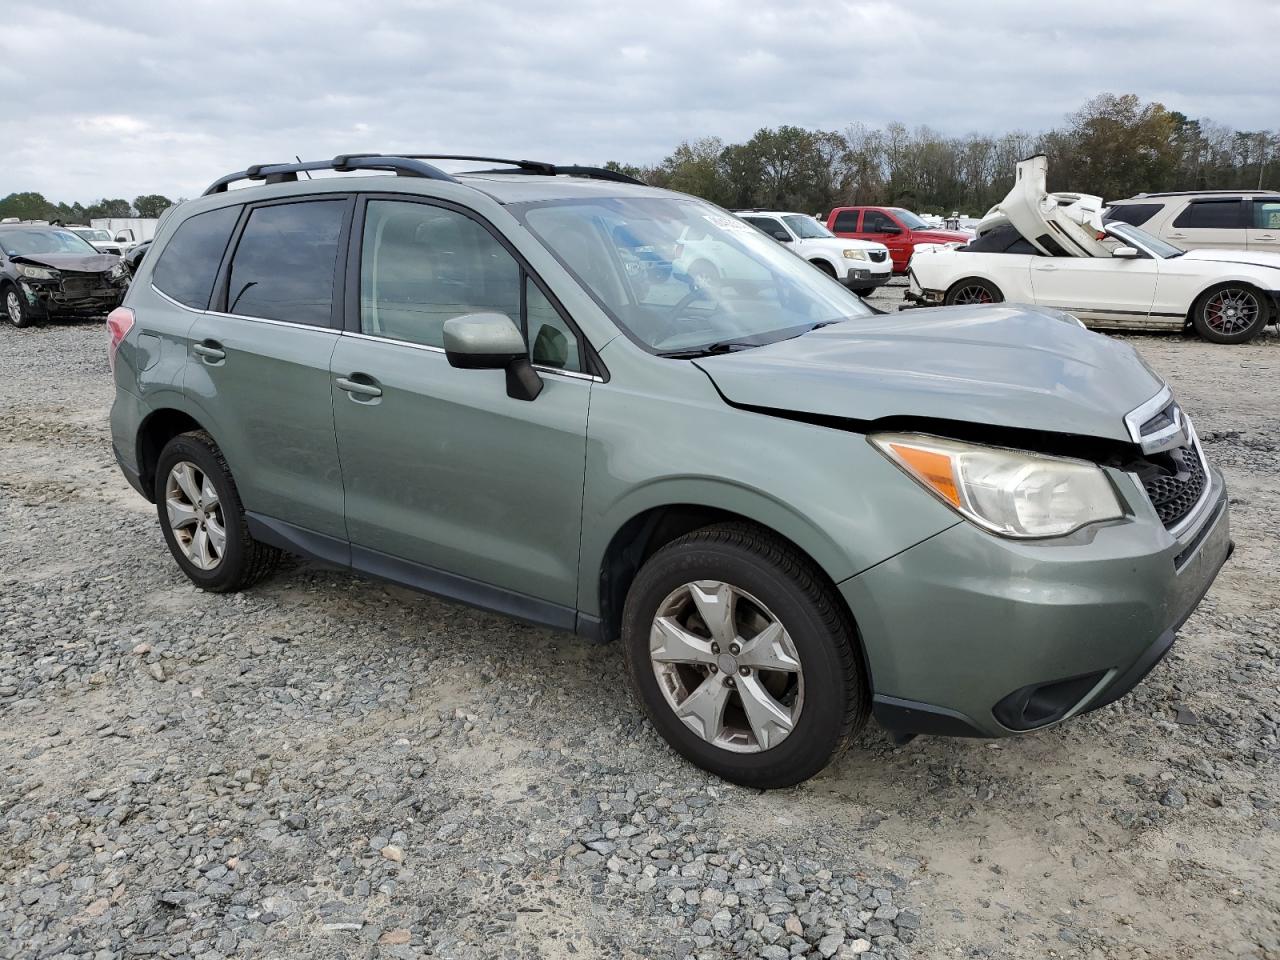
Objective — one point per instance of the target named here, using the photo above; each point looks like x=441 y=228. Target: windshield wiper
x=709 y=350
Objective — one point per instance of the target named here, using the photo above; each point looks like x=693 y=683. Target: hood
x=79 y=263
x=1010 y=366
x=845 y=243
x=1254 y=258
x=940 y=236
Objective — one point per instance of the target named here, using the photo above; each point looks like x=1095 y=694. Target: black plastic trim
x=911 y=717
x=345 y=163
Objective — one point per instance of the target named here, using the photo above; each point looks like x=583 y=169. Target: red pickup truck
x=899 y=230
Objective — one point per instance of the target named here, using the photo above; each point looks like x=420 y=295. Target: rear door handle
x=1046 y=268
x=1177 y=236
x=210 y=350
x=358 y=389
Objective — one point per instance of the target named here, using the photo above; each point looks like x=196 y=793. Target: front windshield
x=681 y=275
x=1136 y=236
x=909 y=219
x=807 y=228
x=99 y=235
x=26 y=243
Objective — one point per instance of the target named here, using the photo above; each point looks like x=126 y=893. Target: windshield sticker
x=728 y=223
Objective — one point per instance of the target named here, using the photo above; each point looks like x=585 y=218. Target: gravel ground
x=330 y=767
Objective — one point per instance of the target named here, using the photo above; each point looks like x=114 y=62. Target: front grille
x=1174 y=481
x=877 y=256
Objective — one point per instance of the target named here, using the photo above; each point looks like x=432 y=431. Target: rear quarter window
x=189 y=262
x=847 y=220
x=1134 y=214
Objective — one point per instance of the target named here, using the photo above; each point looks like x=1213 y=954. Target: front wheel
x=973 y=290
x=866 y=291
x=743 y=656
x=15 y=307
x=1231 y=313
x=203 y=519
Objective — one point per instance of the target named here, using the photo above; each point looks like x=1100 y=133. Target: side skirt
x=417 y=576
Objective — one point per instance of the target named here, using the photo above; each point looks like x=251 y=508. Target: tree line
x=33 y=206
x=1113 y=146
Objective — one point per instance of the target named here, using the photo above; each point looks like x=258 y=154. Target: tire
x=866 y=291
x=824 y=699
x=972 y=290
x=1230 y=313
x=240 y=561
x=825 y=267
x=15 y=307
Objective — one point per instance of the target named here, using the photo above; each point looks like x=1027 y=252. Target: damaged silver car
x=51 y=272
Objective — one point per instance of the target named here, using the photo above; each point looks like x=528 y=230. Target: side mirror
x=1126 y=253
x=492 y=341
x=891 y=229
x=123 y=238
x=782 y=237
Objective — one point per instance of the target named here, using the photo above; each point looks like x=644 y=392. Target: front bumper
x=967 y=634
x=52 y=298
x=859 y=278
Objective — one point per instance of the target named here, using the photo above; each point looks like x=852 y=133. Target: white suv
x=1235 y=219
x=861 y=265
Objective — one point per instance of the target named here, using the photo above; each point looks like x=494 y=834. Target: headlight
x=854 y=254
x=118 y=271
x=1008 y=492
x=36 y=273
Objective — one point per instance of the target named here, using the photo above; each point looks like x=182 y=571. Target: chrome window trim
x=242 y=316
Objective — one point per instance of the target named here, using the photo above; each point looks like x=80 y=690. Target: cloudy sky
x=127 y=97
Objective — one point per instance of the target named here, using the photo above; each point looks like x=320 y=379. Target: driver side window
x=875 y=221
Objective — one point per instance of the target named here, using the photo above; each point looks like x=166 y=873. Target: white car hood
x=1253 y=258
x=837 y=244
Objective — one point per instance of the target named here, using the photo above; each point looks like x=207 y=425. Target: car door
x=260 y=359
x=882 y=228
x=1101 y=289
x=1264 y=225
x=1210 y=222
x=450 y=482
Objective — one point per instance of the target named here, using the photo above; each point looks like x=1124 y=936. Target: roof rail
x=534 y=167
x=1195 y=193
x=344 y=163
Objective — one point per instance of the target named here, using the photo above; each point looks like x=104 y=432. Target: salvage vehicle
x=1231 y=219
x=51 y=272
x=793 y=511
x=860 y=265
x=1055 y=250
x=900 y=230
x=100 y=240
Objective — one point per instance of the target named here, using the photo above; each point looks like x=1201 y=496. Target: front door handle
x=1046 y=268
x=358 y=389
x=1177 y=236
x=210 y=350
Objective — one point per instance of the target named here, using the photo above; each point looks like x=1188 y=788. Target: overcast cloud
x=122 y=98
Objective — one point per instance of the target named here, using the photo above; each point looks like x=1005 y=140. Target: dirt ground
x=326 y=766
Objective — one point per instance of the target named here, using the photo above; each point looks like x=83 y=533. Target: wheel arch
x=825 y=264
x=968 y=276
x=157 y=429
x=648 y=530
x=1270 y=301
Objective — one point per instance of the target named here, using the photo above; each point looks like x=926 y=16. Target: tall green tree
x=151 y=204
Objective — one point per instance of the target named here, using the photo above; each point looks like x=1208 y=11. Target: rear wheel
x=743 y=656
x=202 y=517
x=15 y=307
x=973 y=290
x=1230 y=313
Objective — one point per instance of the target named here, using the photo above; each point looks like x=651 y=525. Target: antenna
x=299 y=159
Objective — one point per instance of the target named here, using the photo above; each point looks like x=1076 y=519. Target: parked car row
x=50 y=272
x=1073 y=253
x=795 y=513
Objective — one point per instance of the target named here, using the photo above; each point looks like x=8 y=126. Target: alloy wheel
x=195 y=515
x=13 y=306
x=973 y=293
x=1232 y=310
x=726 y=666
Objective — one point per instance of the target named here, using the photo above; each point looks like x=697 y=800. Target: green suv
x=556 y=393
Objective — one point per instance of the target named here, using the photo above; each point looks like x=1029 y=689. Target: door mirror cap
x=782 y=237
x=1126 y=253
x=492 y=341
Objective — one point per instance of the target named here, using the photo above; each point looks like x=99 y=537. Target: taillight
x=119 y=323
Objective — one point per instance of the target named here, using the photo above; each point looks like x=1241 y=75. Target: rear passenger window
x=1266 y=214
x=421 y=265
x=1134 y=214
x=189 y=262
x=283 y=267
x=847 y=221
x=1213 y=215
